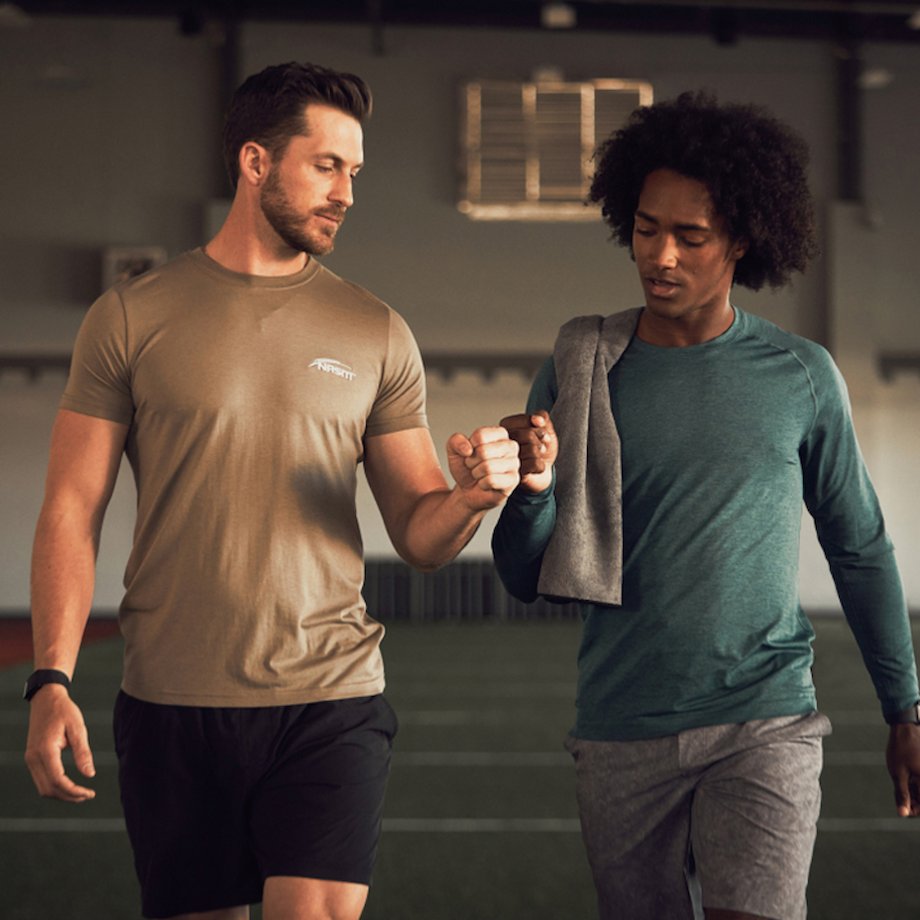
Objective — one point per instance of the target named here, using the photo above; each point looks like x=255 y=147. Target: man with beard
x=245 y=383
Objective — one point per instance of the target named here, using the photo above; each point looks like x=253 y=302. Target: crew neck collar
x=722 y=339
x=203 y=260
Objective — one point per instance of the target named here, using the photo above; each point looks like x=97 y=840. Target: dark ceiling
x=726 y=21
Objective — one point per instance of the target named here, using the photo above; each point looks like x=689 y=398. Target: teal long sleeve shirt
x=721 y=442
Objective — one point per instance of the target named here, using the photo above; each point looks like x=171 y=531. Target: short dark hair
x=269 y=107
x=754 y=167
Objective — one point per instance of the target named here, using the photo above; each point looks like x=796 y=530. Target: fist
x=537 y=447
x=484 y=465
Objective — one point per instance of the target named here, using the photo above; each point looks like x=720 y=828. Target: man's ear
x=254 y=163
x=739 y=249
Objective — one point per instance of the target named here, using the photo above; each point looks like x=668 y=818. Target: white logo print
x=331 y=366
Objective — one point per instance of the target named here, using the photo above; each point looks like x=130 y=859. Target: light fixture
x=558 y=16
x=875 y=78
x=13 y=16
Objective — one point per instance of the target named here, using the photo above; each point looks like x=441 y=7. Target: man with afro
x=665 y=454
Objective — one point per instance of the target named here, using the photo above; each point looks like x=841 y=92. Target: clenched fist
x=538 y=447
x=485 y=466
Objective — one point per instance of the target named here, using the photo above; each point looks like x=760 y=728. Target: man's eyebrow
x=702 y=228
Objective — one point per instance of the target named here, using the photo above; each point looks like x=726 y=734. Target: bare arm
x=83 y=465
x=428 y=522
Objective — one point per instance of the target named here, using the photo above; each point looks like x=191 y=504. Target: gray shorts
x=722 y=817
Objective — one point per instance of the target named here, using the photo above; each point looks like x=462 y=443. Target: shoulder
x=813 y=356
x=349 y=295
x=593 y=325
x=583 y=333
x=364 y=315
x=805 y=357
x=174 y=272
x=579 y=326
x=158 y=292
x=759 y=328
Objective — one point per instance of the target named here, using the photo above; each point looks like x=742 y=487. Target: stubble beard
x=290 y=225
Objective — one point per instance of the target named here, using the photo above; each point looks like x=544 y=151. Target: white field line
x=481 y=759
x=481 y=825
x=19 y=716
x=867 y=825
x=498 y=690
x=444 y=825
x=400 y=758
x=104 y=758
x=61 y=825
x=16 y=758
x=102 y=718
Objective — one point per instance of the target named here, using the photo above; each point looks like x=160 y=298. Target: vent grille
x=528 y=148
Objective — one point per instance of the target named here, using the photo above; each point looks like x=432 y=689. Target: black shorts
x=216 y=800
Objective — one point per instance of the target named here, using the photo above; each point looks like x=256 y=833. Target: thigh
x=634 y=803
x=308 y=898
x=184 y=810
x=755 y=818
x=317 y=812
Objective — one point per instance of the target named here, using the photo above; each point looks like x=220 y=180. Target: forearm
x=851 y=530
x=63 y=576
x=873 y=600
x=520 y=538
x=82 y=467
x=439 y=525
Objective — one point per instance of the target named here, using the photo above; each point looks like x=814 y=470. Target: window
x=528 y=148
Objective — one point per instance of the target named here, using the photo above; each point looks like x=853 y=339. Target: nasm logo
x=332 y=366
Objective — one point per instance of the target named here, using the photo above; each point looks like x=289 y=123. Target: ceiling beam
x=727 y=21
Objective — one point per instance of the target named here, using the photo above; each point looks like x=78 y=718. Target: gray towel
x=584 y=558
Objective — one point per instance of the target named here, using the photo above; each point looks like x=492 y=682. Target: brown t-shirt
x=248 y=400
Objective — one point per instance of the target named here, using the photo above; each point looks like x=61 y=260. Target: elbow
x=426 y=568
x=527 y=594
x=421 y=563
x=520 y=581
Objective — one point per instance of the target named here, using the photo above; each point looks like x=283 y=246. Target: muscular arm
x=427 y=521
x=83 y=465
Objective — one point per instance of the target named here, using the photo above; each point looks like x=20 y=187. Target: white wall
x=107 y=146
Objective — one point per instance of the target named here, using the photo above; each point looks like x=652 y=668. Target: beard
x=292 y=226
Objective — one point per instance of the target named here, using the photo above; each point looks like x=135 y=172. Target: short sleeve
x=99 y=380
x=400 y=402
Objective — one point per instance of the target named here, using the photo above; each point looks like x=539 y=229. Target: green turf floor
x=480 y=817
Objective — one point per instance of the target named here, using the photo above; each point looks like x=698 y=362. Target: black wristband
x=38 y=679
x=909 y=716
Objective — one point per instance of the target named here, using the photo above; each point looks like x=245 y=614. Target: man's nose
x=342 y=191
x=665 y=252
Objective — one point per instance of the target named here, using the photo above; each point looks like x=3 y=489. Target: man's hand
x=56 y=723
x=485 y=466
x=538 y=445
x=903 y=758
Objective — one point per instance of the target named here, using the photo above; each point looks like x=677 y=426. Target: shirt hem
x=674 y=723
x=254 y=699
x=104 y=412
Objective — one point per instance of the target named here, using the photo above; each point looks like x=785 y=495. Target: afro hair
x=753 y=166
